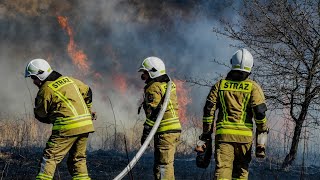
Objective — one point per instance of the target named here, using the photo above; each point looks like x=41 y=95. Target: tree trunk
x=294 y=146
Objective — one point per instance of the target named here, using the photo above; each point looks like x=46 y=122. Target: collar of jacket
x=235 y=75
x=163 y=78
x=52 y=77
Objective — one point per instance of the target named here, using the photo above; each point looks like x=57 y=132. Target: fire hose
x=144 y=146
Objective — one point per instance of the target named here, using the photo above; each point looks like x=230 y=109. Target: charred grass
x=22 y=163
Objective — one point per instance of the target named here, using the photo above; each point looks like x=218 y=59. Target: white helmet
x=242 y=60
x=154 y=66
x=39 y=68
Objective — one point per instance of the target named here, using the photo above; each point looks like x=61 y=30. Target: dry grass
x=22 y=139
x=25 y=131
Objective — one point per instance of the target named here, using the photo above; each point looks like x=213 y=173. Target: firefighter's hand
x=94 y=116
x=200 y=146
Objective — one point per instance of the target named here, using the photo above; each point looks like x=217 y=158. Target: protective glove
x=204 y=150
x=261 y=143
x=146 y=131
x=94 y=116
x=143 y=138
x=42 y=119
x=205 y=137
x=200 y=146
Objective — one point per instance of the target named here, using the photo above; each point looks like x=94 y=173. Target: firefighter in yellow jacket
x=168 y=133
x=239 y=100
x=65 y=103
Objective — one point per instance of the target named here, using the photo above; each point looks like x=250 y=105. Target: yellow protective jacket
x=154 y=93
x=238 y=102
x=65 y=103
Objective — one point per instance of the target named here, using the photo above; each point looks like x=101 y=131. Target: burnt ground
x=22 y=164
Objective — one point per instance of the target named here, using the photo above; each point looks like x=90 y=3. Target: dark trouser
x=164 y=150
x=232 y=160
x=56 y=149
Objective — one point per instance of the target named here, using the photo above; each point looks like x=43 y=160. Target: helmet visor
x=26 y=73
x=30 y=72
x=142 y=68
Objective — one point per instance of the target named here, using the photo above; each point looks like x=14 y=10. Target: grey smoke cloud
x=116 y=36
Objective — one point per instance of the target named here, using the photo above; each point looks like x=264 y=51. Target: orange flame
x=183 y=99
x=79 y=58
x=120 y=82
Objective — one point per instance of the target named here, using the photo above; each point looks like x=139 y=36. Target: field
x=22 y=164
x=23 y=140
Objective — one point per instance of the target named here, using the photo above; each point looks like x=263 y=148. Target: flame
x=183 y=99
x=79 y=58
x=120 y=83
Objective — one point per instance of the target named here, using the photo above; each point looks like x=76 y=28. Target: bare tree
x=285 y=38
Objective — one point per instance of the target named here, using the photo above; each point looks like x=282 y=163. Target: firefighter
x=66 y=103
x=238 y=100
x=168 y=134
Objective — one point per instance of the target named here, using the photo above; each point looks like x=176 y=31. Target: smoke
x=116 y=36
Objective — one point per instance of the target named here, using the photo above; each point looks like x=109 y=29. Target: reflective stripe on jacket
x=62 y=103
x=154 y=96
x=235 y=101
